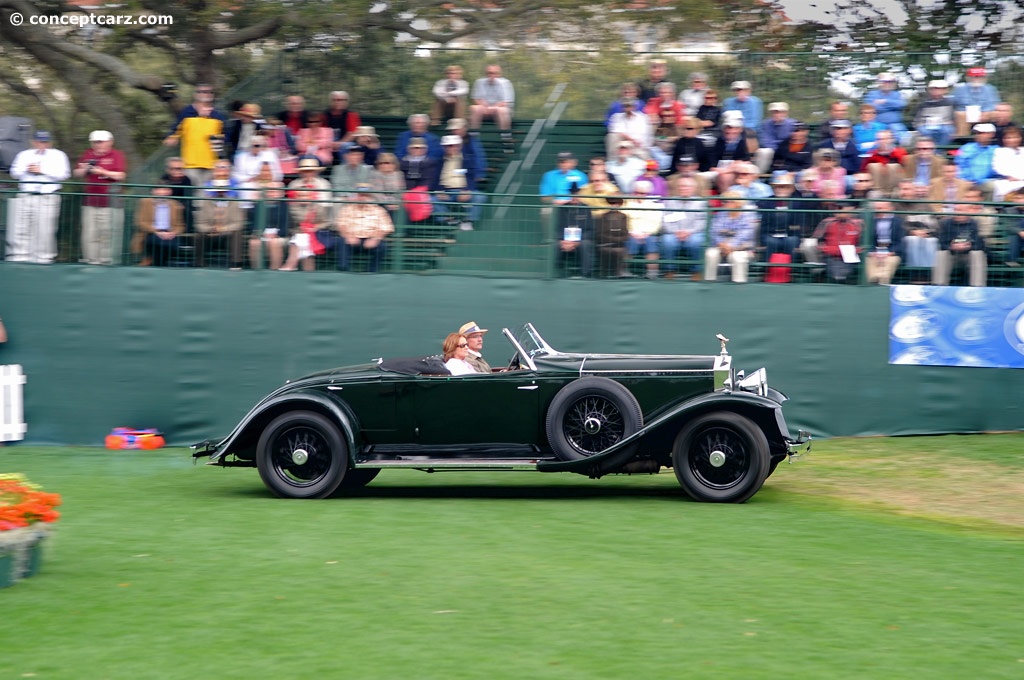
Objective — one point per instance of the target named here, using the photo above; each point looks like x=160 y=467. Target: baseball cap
x=652 y=165
x=41 y=136
x=100 y=136
x=451 y=140
x=566 y=156
x=456 y=124
x=976 y=72
x=841 y=123
x=984 y=127
x=417 y=142
x=778 y=106
x=687 y=159
x=938 y=84
x=741 y=85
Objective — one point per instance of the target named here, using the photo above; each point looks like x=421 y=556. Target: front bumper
x=801 y=446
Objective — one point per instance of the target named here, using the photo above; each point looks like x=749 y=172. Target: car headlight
x=756 y=382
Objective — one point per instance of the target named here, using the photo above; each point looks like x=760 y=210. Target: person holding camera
x=102 y=167
x=32 y=223
x=960 y=247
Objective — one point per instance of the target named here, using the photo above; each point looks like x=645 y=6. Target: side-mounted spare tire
x=721 y=457
x=590 y=415
x=301 y=454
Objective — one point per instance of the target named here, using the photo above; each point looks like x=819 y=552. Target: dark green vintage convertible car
x=594 y=414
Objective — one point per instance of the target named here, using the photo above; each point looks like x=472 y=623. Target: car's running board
x=431 y=464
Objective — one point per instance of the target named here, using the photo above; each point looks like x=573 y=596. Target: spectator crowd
x=686 y=182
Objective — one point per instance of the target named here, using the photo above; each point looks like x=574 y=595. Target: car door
x=474 y=409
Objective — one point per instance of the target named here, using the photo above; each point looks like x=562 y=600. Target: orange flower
x=22 y=503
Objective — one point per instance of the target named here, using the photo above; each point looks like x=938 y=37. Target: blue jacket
x=434 y=148
x=888 y=105
x=752 y=110
x=556 y=183
x=770 y=134
x=974 y=162
x=864 y=135
x=849 y=157
x=986 y=96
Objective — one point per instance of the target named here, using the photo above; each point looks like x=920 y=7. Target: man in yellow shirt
x=200 y=131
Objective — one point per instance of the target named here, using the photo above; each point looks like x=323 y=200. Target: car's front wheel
x=721 y=457
x=590 y=415
x=302 y=454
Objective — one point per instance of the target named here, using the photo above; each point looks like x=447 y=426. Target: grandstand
x=515 y=237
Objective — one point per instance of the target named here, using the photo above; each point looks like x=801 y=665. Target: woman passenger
x=456 y=349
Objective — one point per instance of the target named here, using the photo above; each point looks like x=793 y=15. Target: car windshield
x=531 y=341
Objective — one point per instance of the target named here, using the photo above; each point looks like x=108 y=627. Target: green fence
x=190 y=351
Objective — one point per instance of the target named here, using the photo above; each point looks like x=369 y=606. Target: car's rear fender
x=243 y=439
x=658 y=435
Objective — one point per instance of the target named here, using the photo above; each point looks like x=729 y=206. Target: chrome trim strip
x=649 y=370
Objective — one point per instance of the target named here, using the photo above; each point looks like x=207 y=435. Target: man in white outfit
x=32 y=227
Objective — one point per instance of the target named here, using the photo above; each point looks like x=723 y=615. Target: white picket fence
x=12 y=405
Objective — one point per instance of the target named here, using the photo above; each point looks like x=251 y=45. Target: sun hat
x=471 y=328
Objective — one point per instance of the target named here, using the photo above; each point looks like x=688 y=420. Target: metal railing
x=511 y=235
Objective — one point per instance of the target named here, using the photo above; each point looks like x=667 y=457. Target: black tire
x=356 y=478
x=721 y=457
x=590 y=415
x=302 y=454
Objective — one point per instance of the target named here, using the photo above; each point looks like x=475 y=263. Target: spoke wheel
x=590 y=415
x=301 y=455
x=721 y=457
x=592 y=424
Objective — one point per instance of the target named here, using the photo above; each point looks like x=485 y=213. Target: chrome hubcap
x=300 y=456
x=592 y=425
x=717 y=459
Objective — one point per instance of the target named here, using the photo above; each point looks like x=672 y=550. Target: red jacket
x=837 y=231
x=895 y=156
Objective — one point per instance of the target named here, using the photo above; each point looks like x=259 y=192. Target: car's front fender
x=243 y=439
x=765 y=412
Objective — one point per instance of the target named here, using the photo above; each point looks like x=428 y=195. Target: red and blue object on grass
x=128 y=438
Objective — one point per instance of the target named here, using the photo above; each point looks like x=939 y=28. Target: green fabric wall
x=190 y=351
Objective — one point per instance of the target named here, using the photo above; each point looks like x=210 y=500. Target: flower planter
x=21 y=554
x=6 y=570
x=26 y=513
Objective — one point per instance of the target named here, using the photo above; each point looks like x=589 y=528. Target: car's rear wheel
x=590 y=415
x=721 y=457
x=302 y=454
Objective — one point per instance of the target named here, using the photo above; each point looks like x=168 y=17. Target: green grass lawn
x=874 y=558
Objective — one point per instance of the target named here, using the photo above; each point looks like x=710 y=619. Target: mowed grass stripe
x=160 y=569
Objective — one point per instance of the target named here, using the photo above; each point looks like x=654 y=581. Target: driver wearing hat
x=475 y=338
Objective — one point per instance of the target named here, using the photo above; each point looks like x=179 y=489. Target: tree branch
x=475 y=22
x=263 y=29
x=21 y=88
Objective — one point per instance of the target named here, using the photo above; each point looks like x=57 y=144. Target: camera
x=91 y=162
x=168 y=92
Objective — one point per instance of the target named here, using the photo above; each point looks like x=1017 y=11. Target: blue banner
x=956 y=326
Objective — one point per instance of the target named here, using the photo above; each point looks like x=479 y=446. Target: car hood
x=589 y=363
